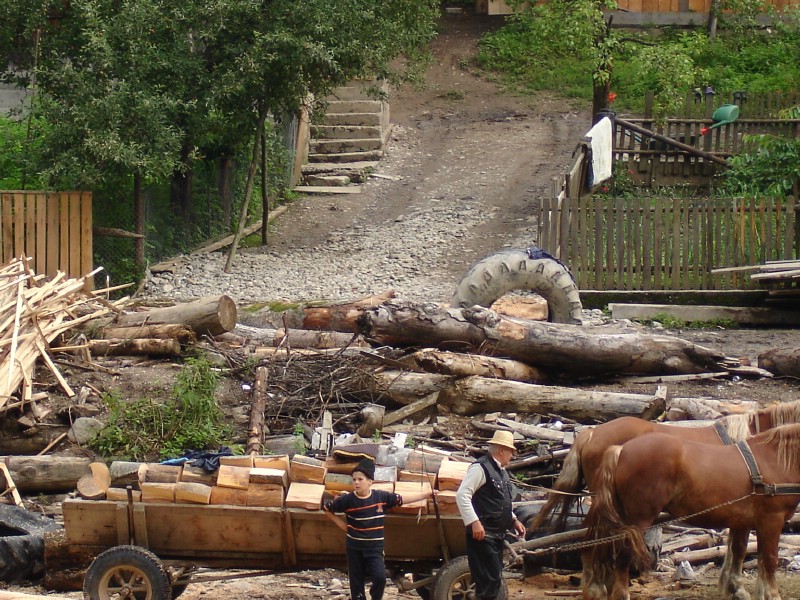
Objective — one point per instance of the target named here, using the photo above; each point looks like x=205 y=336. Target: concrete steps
x=348 y=141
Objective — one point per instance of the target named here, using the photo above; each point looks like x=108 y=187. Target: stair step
x=348 y=168
x=327 y=189
x=355 y=106
x=327 y=180
x=349 y=92
x=352 y=119
x=346 y=156
x=340 y=132
x=344 y=146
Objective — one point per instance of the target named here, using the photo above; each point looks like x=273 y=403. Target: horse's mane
x=783 y=413
x=788 y=437
x=738 y=426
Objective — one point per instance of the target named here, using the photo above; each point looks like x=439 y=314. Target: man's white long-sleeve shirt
x=471 y=483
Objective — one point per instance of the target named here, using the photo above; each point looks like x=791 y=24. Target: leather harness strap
x=759 y=485
x=722 y=432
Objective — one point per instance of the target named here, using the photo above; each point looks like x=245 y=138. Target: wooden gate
x=53 y=228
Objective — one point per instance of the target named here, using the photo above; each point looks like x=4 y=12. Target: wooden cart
x=153 y=550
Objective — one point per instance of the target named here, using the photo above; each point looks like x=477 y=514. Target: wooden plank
x=41 y=232
x=582 y=248
x=741 y=315
x=74 y=234
x=6 y=228
x=618 y=259
x=89 y=522
x=19 y=224
x=53 y=233
x=598 y=232
x=30 y=224
x=63 y=232
x=305 y=495
x=87 y=241
x=658 y=245
x=228 y=496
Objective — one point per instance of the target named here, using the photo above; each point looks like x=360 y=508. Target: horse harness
x=761 y=487
x=724 y=437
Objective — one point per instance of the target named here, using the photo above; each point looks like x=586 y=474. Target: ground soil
x=457 y=113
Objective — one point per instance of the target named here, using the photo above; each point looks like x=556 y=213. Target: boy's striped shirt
x=365 y=516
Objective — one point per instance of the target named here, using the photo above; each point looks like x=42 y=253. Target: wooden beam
x=742 y=315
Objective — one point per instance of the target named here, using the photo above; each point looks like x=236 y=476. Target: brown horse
x=584 y=457
x=752 y=485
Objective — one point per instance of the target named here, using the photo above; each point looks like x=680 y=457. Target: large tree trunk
x=208 y=316
x=166 y=331
x=224 y=179
x=35 y=474
x=463 y=365
x=783 y=362
x=135 y=347
x=332 y=317
x=574 y=351
x=474 y=395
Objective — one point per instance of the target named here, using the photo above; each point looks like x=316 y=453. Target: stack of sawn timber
x=280 y=481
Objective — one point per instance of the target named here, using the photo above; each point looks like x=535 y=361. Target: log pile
x=279 y=481
x=34 y=311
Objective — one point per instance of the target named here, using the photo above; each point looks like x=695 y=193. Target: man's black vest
x=492 y=501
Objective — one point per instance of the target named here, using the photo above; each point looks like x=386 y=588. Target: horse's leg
x=730 y=577
x=593 y=565
x=767 y=585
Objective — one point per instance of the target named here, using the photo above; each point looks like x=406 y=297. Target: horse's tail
x=604 y=519
x=567 y=487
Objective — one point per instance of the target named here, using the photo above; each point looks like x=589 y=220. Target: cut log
x=158 y=492
x=706 y=408
x=276 y=461
x=192 y=493
x=409 y=409
x=229 y=496
x=342 y=468
x=707 y=554
x=405 y=476
x=339 y=482
x=305 y=338
x=125 y=473
x=447 y=503
x=134 y=347
x=273 y=476
x=155 y=473
x=233 y=477
x=408 y=488
x=332 y=317
x=265 y=494
x=544 y=434
x=208 y=316
x=121 y=495
x=784 y=362
x=308 y=470
x=570 y=349
x=255 y=431
x=46 y=474
x=474 y=395
x=165 y=331
x=305 y=495
x=423 y=462
x=451 y=474
x=463 y=365
x=371 y=420
x=93 y=485
x=198 y=475
x=236 y=461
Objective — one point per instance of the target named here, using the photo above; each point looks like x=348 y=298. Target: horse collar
x=760 y=487
x=722 y=432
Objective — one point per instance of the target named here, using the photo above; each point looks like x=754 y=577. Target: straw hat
x=503 y=438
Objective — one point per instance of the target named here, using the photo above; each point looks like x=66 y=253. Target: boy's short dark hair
x=367 y=467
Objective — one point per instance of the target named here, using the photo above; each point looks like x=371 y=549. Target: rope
x=621 y=536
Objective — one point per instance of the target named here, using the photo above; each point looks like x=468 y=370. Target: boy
x=364 y=509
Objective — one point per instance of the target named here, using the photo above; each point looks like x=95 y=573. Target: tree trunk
x=166 y=331
x=248 y=190
x=474 y=395
x=139 y=221
x=35 y=474
x=212 y=316
x=255 y=432
x=224 y=177
x=783 y=362
x=264 y=187
x=332 y=317
x=305 y=338
x=135 y=347
x=463 y=365
x=574 y=351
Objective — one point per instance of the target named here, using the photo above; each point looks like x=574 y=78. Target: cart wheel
x=127 y=572
x=454 y=582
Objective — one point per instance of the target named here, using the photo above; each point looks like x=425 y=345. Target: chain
x=621 y=536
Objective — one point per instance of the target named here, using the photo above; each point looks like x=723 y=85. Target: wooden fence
x=53 y=228
x=650 y=162
x=665 y=243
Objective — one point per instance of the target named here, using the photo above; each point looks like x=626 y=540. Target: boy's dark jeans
x=363 y=565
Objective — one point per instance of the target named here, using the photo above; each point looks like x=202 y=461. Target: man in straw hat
x=484 y=501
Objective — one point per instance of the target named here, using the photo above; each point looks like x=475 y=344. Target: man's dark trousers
x=364 y=564
x=486 y=565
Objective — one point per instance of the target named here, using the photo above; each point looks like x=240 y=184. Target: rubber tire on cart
x=454 y=582
x=509 y=270
x=22 y=543
x=121 y=568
